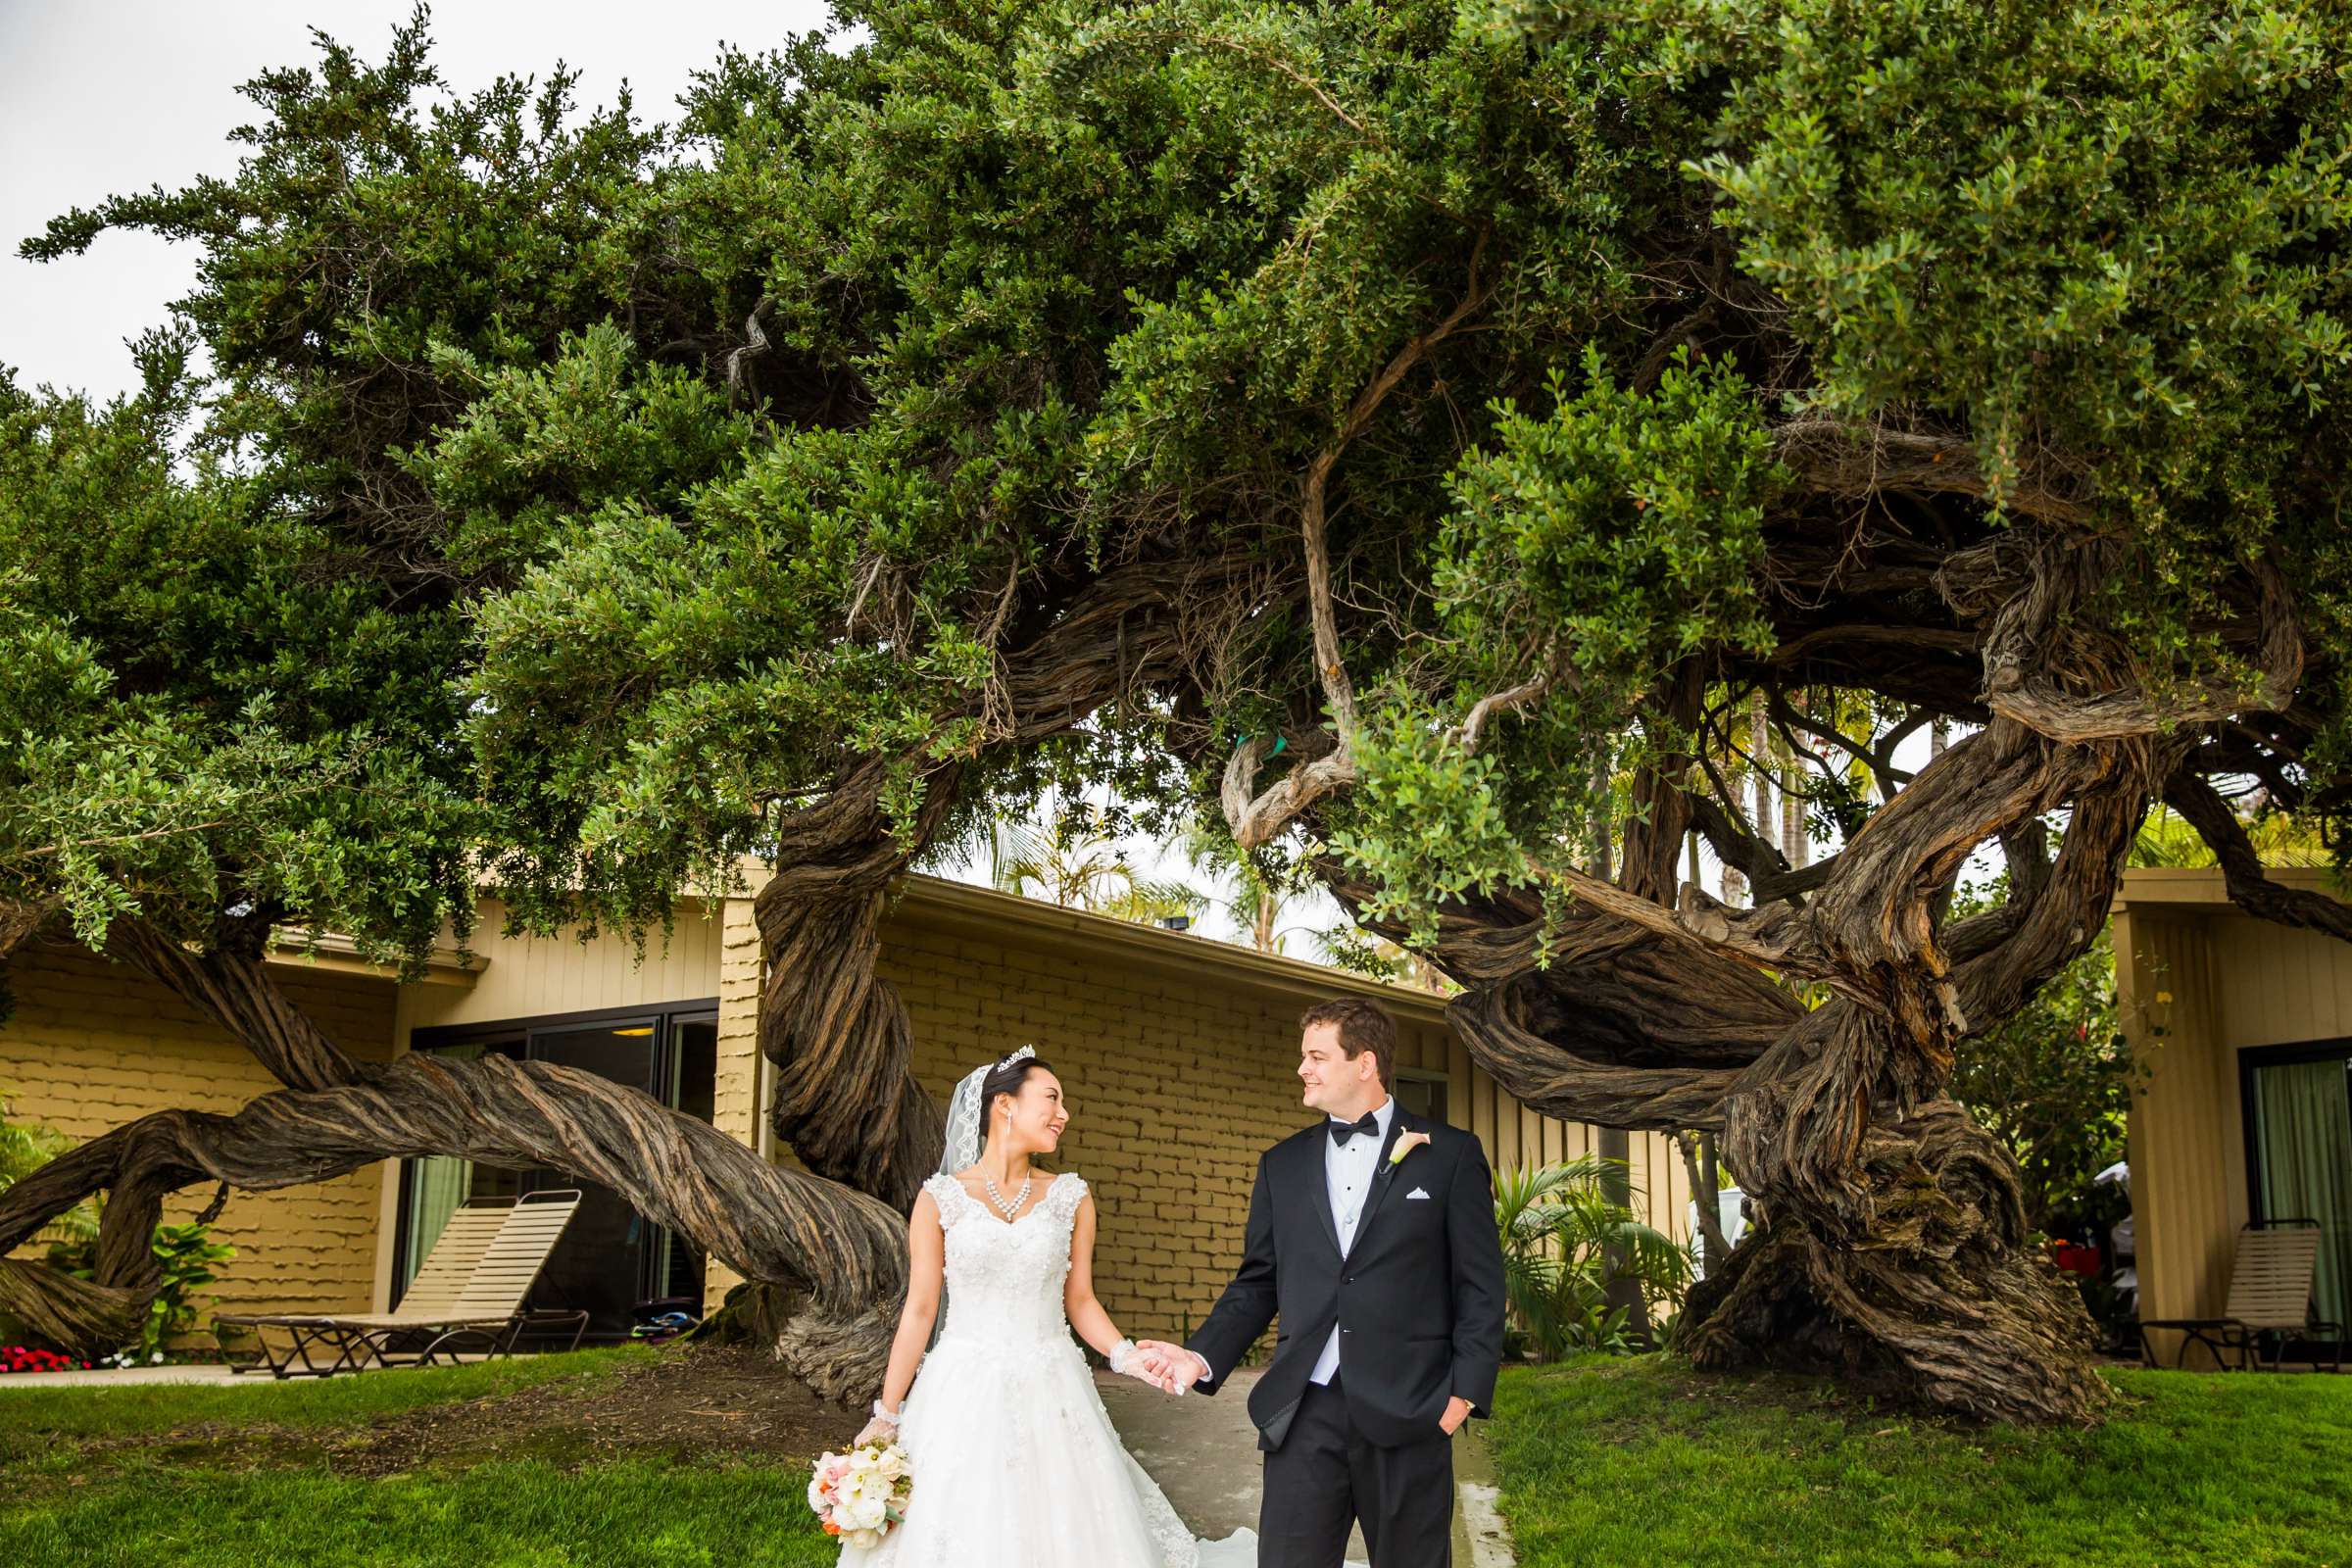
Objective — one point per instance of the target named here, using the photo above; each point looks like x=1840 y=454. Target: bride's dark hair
x=1006 y=1079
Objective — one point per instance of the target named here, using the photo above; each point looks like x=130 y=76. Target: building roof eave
x=337 y=954
x=2203 y=890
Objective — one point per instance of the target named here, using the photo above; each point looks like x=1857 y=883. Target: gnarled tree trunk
x=1891 y=1247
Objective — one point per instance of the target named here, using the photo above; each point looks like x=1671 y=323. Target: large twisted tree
x=231 y=614
x=1433 y=438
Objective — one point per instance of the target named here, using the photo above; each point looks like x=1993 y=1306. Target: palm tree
x=1262 y=889
x=1266 y=889
x=1073 y=861
x=1345 y=948
x=2278 y=839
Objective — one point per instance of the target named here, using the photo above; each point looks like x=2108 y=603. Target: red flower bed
x=23 y=1358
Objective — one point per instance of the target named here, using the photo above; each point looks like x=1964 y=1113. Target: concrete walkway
x=125 y=1377
x=1203 y=1453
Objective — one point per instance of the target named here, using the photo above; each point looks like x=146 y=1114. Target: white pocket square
x=1415 y=1193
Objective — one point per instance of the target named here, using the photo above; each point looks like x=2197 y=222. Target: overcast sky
x=101 y=97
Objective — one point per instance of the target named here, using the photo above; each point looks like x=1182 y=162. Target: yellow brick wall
x=1178 y=1057
x=94 y=1045
x=735 y=1090
x=1174 y=1088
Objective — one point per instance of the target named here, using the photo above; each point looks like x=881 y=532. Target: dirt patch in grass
x=692 y=1404
x=696 y=1403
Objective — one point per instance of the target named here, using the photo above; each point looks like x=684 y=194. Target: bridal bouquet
x=860 y=1494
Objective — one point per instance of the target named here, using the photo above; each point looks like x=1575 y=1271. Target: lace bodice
x=1005 y=1281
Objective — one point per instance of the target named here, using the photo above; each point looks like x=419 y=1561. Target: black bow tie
x=1367 y=1124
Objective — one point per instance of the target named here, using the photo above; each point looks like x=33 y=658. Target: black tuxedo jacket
x=1418 y=1298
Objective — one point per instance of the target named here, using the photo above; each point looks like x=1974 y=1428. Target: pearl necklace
x=1007 y=1210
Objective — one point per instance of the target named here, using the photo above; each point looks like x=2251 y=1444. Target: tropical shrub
x=187 y=1254
x=1566 y=1242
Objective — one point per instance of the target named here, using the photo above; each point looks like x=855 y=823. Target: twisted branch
x=842 y=1251
x=2050 y=667
x=228 y=981
x=1255 y=819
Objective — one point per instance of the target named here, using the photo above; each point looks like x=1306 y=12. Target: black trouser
x=1325 y=1477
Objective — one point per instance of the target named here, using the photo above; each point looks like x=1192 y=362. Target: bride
x=1014 y=1460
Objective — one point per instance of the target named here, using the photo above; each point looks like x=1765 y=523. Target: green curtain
x=437 y=1185
x=2304 y=1119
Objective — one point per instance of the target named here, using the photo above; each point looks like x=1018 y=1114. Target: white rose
x=866 y=1510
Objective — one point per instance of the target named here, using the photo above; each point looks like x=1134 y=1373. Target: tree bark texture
x=1891 y=1247
x=840 y=1252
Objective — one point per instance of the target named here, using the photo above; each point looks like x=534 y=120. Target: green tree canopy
x=1429 y=436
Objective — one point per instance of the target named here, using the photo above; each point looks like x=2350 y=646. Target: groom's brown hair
x=1363 y=1027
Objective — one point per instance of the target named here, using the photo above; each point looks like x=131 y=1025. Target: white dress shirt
x=1347 y=1172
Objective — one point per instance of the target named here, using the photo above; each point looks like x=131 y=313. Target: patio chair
x=2269 y=1293
x=440 y=1280
x=469 y=1294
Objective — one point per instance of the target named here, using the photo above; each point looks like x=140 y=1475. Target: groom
x=1372 y=1235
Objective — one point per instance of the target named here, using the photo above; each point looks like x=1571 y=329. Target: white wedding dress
x=1015 y=1462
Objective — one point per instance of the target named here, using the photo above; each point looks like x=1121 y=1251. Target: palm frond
x=1567 y=1243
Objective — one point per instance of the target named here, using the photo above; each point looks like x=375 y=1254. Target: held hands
x=1129 y=1359
x=1178 y=1366
x=1173 y=1369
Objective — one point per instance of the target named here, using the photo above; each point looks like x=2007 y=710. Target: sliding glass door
x=437 y=1186
x=611 y=1260
x=600 y=1262
x=2299 y=1124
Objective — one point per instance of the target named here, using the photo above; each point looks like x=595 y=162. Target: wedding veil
x=962 y=1151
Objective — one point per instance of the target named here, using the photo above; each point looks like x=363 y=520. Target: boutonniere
x=1407 y=1143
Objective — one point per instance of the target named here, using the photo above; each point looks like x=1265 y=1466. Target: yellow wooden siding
x=2179 y=1185
x=2197 y=983
x=531 y=977
x=2277 y=985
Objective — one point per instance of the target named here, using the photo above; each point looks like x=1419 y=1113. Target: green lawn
x=1642 y=1463
x=35 y=1417
x=1612 y=1464
x=209 y=1477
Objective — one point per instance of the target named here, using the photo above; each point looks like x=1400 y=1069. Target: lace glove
x=1128 y=1361
x=883 y=1428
